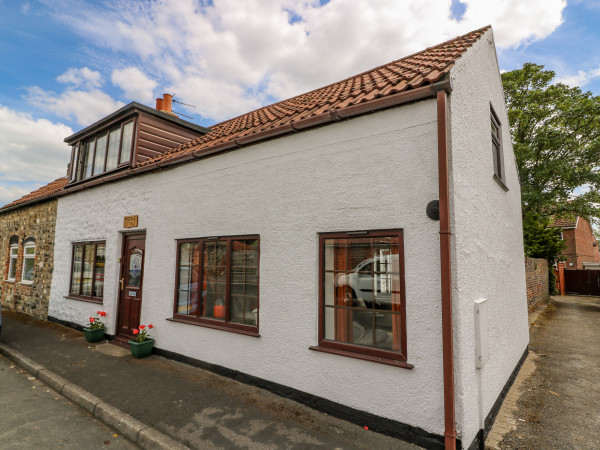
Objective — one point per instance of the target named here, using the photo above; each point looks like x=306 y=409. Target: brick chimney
x=165 y=104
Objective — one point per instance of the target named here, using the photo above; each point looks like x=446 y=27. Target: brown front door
x=132 y=276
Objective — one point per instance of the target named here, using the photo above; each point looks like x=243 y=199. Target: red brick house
x=582 y=247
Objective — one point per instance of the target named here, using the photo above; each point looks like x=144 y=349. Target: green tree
x=556 y=138
x=541 y=241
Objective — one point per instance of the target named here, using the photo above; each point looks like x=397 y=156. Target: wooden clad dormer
x=127 y=138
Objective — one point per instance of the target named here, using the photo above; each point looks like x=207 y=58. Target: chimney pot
x=159 y=104
x=167 y=103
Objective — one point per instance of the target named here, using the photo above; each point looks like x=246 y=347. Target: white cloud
x=251 y=51
x=515 y=22
x=84 y=78
x=581 y=78
x=84 y=107
x=135 y=84
x=24 y=140
x=26 y=8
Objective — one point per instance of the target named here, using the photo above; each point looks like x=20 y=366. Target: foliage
x=142 y=333
x=556 y=138
x=95 y=323
x=551 y=281
x=540 y=240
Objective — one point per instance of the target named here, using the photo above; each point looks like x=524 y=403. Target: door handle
x=122 y=281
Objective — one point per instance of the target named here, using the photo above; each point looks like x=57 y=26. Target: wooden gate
x=583 y=282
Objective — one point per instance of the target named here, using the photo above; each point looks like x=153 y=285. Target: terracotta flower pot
x=95 y=335
x=220 y=311
x=141 y=349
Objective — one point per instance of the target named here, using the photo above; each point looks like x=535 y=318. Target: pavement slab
x=156 y=399
x=555 y=398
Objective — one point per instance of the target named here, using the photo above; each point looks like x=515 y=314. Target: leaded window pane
x=215 y=279
x=76 y=269
x=88 y=270
x=362 y=291
x=99 y=270
x=244 y=281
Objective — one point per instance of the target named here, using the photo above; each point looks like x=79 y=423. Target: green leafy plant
x=95 y=323
x=556 y=139
x=142 y=333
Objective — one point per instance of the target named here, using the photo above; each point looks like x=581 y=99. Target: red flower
x=150 y=326
x=135 y=331
x=102 y=313
x=142 y=327
x=92 y=320
x=98 y=312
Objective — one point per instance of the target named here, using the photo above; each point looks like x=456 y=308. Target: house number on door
x=132 y=293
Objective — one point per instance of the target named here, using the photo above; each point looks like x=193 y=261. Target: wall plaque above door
x=130 y=221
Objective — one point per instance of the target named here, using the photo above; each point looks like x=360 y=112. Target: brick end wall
x=38 y=222
x=536 y=275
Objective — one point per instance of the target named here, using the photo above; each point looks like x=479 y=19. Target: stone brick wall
x=38 y=222
x=536 y=276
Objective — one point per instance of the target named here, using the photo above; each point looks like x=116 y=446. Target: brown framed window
x=361 y=295
x=103 y=152
x=496 y=129
x=217 y=282
x=87 y=270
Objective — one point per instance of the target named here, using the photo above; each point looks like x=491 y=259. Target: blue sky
x=67 y=63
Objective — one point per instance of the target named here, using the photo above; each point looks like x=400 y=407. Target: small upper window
x=12 y=266
x=28 y=262
x=496 y=129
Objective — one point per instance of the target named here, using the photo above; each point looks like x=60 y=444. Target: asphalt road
x=560 y=404
x=33 y=416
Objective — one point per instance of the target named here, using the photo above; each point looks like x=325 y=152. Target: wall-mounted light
x=570 y=264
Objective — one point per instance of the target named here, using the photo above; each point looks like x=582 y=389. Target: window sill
x=26 y=283
x=215 y=326
x=8 y=280
x=500 y=182
x=84 y=299
x=363 y=356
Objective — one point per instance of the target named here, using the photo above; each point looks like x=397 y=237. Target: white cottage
x=357 y=248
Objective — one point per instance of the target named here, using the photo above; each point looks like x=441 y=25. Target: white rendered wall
x=487 y=250
x=374 y=172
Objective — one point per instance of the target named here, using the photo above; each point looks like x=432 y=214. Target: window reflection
x=362 y=297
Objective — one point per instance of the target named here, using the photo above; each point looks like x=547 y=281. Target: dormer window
x=128 y=137
x=102 y=153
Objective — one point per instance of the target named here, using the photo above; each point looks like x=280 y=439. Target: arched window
x=28 y=261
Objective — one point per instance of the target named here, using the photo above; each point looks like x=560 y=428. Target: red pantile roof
x=411 y=72
x=44 y=192
x=567 y=221
x=419 y=69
